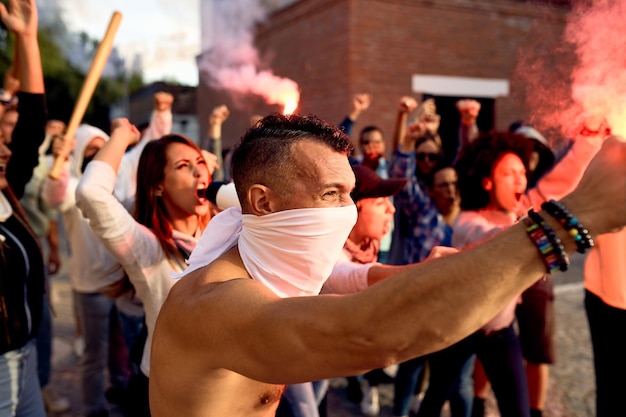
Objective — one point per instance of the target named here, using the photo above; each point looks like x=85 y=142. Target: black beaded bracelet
x=558 y=252
x=576 y=230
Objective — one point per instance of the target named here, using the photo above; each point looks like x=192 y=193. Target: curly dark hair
x=264 y=154
x=478 y=159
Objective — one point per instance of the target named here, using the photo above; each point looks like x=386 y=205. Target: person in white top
x=170 y=214
x=92 y=267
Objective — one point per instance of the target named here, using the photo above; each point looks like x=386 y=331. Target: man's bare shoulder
x=227 y=267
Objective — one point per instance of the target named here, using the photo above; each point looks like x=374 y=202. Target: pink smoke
x=576 y=78
x=231 y=61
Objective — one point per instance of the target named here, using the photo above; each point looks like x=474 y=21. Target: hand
x=123 y=128
x=441 y=251
x=469 y=109
x=361 y=102
x=414 y=131
x=22 y=19
x=407 y=104
x=211 y=161
x=426 y=107
x=219 y=115
x=62 y=147
x=599 y=201
x=163 y=101
x=431 y=122
x=54 y=262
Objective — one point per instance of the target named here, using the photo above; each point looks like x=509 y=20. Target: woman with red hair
x=170 y=214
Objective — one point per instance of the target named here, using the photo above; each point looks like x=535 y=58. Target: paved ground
x=571 y=391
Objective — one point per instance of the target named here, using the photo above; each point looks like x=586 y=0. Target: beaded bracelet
x=576 y=230
x=547 y=242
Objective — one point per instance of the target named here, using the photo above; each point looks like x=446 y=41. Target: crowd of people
x=428 y=271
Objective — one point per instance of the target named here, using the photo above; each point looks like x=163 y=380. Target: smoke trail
x=599 y=81
x=577 y=77
x=231 y=61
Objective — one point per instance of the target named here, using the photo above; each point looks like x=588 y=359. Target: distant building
x=448 y=49
x=141 y=103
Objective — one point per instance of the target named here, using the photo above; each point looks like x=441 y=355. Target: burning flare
x=290 y=102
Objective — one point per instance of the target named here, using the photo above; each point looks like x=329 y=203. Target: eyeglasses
x=422 y=156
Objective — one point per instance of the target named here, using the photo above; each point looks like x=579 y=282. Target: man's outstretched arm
x=241 y=326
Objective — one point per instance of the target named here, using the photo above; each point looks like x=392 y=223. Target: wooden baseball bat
x=89 y=85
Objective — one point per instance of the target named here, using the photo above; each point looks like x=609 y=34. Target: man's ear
x=262 y=200
x=487 y=184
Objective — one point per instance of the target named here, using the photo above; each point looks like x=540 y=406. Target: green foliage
x=63 y=81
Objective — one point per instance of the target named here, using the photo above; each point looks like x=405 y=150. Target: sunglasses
x=422 y=156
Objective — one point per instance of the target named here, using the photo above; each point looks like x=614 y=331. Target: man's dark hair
x=478 y=159
x=368 y=129
x=264 y=154
x=430 y=178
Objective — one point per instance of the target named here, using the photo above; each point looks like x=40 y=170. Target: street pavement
x=571 y=392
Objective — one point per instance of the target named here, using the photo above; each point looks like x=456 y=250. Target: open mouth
x=518 y=196
x=201 y=194
x=3 y=168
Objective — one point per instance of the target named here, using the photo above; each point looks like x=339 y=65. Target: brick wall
x=336 y=48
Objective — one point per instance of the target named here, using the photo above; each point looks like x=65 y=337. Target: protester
x=419 y=226
x=22 y=287
x=94 y=272
x=43 y=220
x=239 y=325
x=536 y=313
x=170 y=214
x=91 y=268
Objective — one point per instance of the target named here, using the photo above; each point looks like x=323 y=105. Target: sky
x=165 y=33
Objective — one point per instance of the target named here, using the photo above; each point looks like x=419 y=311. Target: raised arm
x=405 y=107
x=113 y=150
x=22 y=20
x=360 y=103
x=468 y=130
x=217 y=117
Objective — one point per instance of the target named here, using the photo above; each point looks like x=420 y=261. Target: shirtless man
x=240 y=325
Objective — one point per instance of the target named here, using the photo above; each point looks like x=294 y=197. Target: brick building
x=448 y=49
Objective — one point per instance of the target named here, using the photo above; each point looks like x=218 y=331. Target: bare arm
x=247 y=329
x=360 y=103
x=22 y=20
x=406 y=106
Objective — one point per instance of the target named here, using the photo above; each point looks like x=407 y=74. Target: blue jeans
x=405 y=384
x=501 y=355
x=44 y=344
x=450 y=379
x=303 y=400
x=104 y=346
x=20 y=394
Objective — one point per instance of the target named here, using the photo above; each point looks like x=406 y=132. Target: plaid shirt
x=420 y=224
